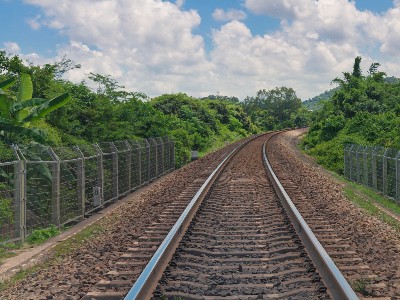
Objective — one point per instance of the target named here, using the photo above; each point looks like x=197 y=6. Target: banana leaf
x=40 y=111
x=33 y=133
x=25 y=88
x=5 y=84
x=5 y=104
x=5 y=121
x=28 y=103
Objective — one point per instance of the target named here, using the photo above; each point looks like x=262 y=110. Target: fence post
x=81 y=180
x=129 y=166
x=374 y=169
x=385 y=172
x=114 y=156
x=18 y=203
x=365 y=157
x=166 y=154
x=155 y=149
x=346 y=163
x=148 y=160
x=398 y=177
x=20 y=195
x=100 y=172
x=139 y=164
x=358 y=171
x=173 y=155
x=351 y=162
x=162 y=156
x=55 y=188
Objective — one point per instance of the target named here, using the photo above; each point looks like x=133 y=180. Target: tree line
x=38 y=106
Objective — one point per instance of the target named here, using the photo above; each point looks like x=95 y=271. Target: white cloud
x=180 y=3
x=149 y=45
x=389 y=34
x=12 y=47
x=34 y=22
x=287 y=9
x=232 y=14
x=328 y=35
x=146 y=45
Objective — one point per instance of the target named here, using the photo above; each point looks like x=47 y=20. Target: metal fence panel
x=93 y=180
x=110 y=165
x=42 y=182
x=9 y=201
x=160 y=156
x=398 y=177
x=70 y=184
x=379 y=152
x=353 y=163
x=42 y=186
x=376 y=167
x=136 y=165
x=166 y=154
x=124 y=166
x=347 y=150
x=369 y=164
x=145 y=161
x=153 y=159
x=39 y=194
x=391 y=164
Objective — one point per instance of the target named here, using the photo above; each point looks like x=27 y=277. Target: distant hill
x=314 y=103
x=392 y=79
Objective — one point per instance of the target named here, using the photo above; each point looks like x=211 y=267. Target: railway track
x=234 y=240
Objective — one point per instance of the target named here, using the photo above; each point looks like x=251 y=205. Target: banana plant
x=16 y=113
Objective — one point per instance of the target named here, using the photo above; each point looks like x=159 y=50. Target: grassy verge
x=61 y=249
x=9 y=250
x=37 y=237
x=220 y=143
x=369 y=201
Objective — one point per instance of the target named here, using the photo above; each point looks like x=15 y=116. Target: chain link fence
x=375 y=167
x=42 y=186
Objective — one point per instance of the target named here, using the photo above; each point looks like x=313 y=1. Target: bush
x=40 y=235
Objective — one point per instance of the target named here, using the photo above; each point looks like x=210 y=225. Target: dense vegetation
x=365 y=109
x=276 y=109
x=362 y=109
x=78 y=114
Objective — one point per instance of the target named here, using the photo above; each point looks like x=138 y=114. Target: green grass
x=19 y=276
x=361 y=286
x=8 y=250
x=383 y=201
x=39 y=236
x=367 y=199
x=78 y=239
x=221 y=142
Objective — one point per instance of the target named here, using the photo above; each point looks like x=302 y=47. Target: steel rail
x=337 y=285
x=148 y=279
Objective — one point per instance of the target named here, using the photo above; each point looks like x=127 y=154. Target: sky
x=206 y=47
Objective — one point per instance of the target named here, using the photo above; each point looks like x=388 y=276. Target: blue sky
x=201 y=47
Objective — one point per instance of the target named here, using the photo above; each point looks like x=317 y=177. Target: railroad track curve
x=239 y=237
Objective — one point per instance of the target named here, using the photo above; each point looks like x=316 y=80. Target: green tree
x=276 y=105
x=363 y=110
